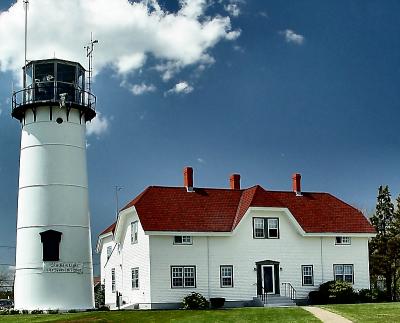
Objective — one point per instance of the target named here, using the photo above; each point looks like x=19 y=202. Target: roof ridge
x=240 y=203
x=136 y=199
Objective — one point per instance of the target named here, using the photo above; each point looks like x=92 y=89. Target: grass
x=242 y=315
x=373 y=312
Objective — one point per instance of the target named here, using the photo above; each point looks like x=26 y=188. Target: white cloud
x=201 y=160
x=181 y=87
x=232 y=35
x=292 y=37
x=233 y=9
x=142 y=88
x=128 y=32
x=98 y=126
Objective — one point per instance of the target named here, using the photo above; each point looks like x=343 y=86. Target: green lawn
x=229 y=315
x=374 y=312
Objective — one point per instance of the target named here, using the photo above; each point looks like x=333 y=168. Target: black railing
x=62 y=92
x=289 y=290
x=263 y=297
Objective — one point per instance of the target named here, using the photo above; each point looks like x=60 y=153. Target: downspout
x=208 y=267
x=322 y=263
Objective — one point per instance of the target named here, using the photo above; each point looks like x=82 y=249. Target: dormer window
x=266 y=228
x=343 y=241
x=51 y=245
x=186 y=240
x=134 y=232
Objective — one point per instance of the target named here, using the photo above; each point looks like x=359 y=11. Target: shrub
x=341 y=292
x=194 y=301
x=13 y=311
x=72 y=311
x=4 y=312
x=217 y=302
x=333 y=292
x=104 y=308
x=53 y=311
x=37 y=312
x=365 y=295
x=25 y=312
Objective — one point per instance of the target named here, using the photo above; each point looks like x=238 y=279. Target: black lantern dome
x=54 y=82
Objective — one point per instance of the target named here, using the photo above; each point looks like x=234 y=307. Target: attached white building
x=239 y=244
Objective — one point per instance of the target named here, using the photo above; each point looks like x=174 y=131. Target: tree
x=385 y=247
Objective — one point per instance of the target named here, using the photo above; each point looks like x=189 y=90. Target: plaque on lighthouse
x=53 y=255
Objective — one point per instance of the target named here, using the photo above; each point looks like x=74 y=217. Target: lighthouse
x=53 y=251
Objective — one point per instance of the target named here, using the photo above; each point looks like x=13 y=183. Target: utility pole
x=117 y=189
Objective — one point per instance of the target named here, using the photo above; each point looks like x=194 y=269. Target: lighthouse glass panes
x=46 y=81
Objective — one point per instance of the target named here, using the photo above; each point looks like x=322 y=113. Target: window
x=183 y=276
x=343 y=240
x=343 y=272
x=182 y=240
x=259 y=228
x=135 y=278
x=134 y=232
x=226 y=276
x=266 y=228
x=51 y=245
x=113 y=280
x=109 y=252
x=308 y=275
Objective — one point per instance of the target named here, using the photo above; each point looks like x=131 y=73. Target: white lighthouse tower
x=53 y=255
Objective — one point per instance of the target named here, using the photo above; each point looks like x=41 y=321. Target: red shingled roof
x=220 y=210
x=111 y=228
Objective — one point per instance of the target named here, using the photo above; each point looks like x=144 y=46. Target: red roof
x=111 y=229
x=220 y=210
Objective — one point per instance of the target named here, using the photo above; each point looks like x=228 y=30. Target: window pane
x=189 y=276
x=178 y=239
x=273 y=223
x=338 y=269
x=259 y=228
x=307 y=280
x=348 y=270
x=273 y=233
x=338 y=240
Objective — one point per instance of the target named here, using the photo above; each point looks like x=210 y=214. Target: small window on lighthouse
x=51 y=245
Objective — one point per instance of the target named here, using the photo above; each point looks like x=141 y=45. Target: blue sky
x=303 y=86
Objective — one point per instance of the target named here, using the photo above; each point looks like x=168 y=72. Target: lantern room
x=53 y=82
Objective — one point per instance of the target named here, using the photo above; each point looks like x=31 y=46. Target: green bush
x=37 y=312
x=53 y=311
x=365 y=295
x=72 y=311
x=333 y=292
x=341 y=292
x=25 y=312
x=14 y=311
x=194 y=301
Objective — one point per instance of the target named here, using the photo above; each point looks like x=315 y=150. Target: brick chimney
x=235 y=181
x=297 y=183
x=188 y=178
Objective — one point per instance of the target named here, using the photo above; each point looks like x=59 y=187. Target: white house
x=245 y=245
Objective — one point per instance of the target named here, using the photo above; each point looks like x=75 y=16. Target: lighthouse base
x=38 y=290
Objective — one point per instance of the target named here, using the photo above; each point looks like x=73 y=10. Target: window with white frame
x=344 y=272
x=182 y=240
x=135 y=278
x=266 y=228
x=308 y=275
x=343 y=240
x=134 y=232
x=226 y=276
x=109 y=252
x=113 y=280
x=183 y=276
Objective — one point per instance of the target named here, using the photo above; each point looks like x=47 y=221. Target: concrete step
x=277 y=301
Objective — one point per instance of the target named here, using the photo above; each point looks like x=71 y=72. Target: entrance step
x=277 y=301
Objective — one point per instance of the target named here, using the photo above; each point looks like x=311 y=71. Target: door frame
x=273 y=277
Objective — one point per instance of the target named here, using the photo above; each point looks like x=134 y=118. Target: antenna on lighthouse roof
x=26 y=4
x=89 y=54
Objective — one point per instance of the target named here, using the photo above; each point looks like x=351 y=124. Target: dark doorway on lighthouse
x=51 y=245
